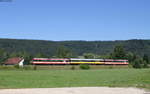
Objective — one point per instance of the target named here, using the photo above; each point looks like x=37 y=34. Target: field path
x=75 y=90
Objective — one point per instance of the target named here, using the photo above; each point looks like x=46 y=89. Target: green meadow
x=75 y=78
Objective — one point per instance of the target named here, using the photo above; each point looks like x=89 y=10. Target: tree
x=63 y=52
x=137 y=64
x=118 y=53
x=146 y=58
x=89 y=55
x=145 y=65
x=40 y=55
x=27 y=57
x=130 y=56
x=3 y=55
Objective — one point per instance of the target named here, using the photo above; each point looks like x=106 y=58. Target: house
x=14 y=61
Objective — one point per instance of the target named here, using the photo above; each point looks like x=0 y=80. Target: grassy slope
x=75 y=78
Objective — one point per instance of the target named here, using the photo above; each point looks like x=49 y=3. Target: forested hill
x=49 y=48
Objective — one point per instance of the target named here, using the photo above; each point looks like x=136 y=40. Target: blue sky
x=75 y=19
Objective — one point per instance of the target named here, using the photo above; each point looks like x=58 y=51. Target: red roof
x=14 y=60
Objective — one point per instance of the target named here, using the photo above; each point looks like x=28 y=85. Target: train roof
x=79 y=59
x=86 y=59
x=99 y=59
x=50 y=59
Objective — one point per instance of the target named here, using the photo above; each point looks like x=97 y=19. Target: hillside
x=33 y=47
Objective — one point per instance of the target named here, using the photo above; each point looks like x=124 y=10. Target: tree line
x=133 y=50
x=78 y=48
x=119 y=52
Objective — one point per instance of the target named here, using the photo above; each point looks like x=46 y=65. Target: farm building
x=14 y=61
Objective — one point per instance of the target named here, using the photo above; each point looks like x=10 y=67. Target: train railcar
x=86 y=61
x=116 y=62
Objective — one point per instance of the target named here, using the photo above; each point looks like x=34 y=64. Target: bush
x=72 y=68
x=110 y=67
x=145 y=65
x=139 y=63
x=27 y=67
x=16 y=66
x=5 y=67
x=84 y=66
x=34 y=67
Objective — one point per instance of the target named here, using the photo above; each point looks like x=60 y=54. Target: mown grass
x=75 y=78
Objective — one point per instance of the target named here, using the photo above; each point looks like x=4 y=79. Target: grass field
x=64 y=67
x=75 y=78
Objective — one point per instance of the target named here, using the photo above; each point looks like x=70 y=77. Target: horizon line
x=71 y=40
